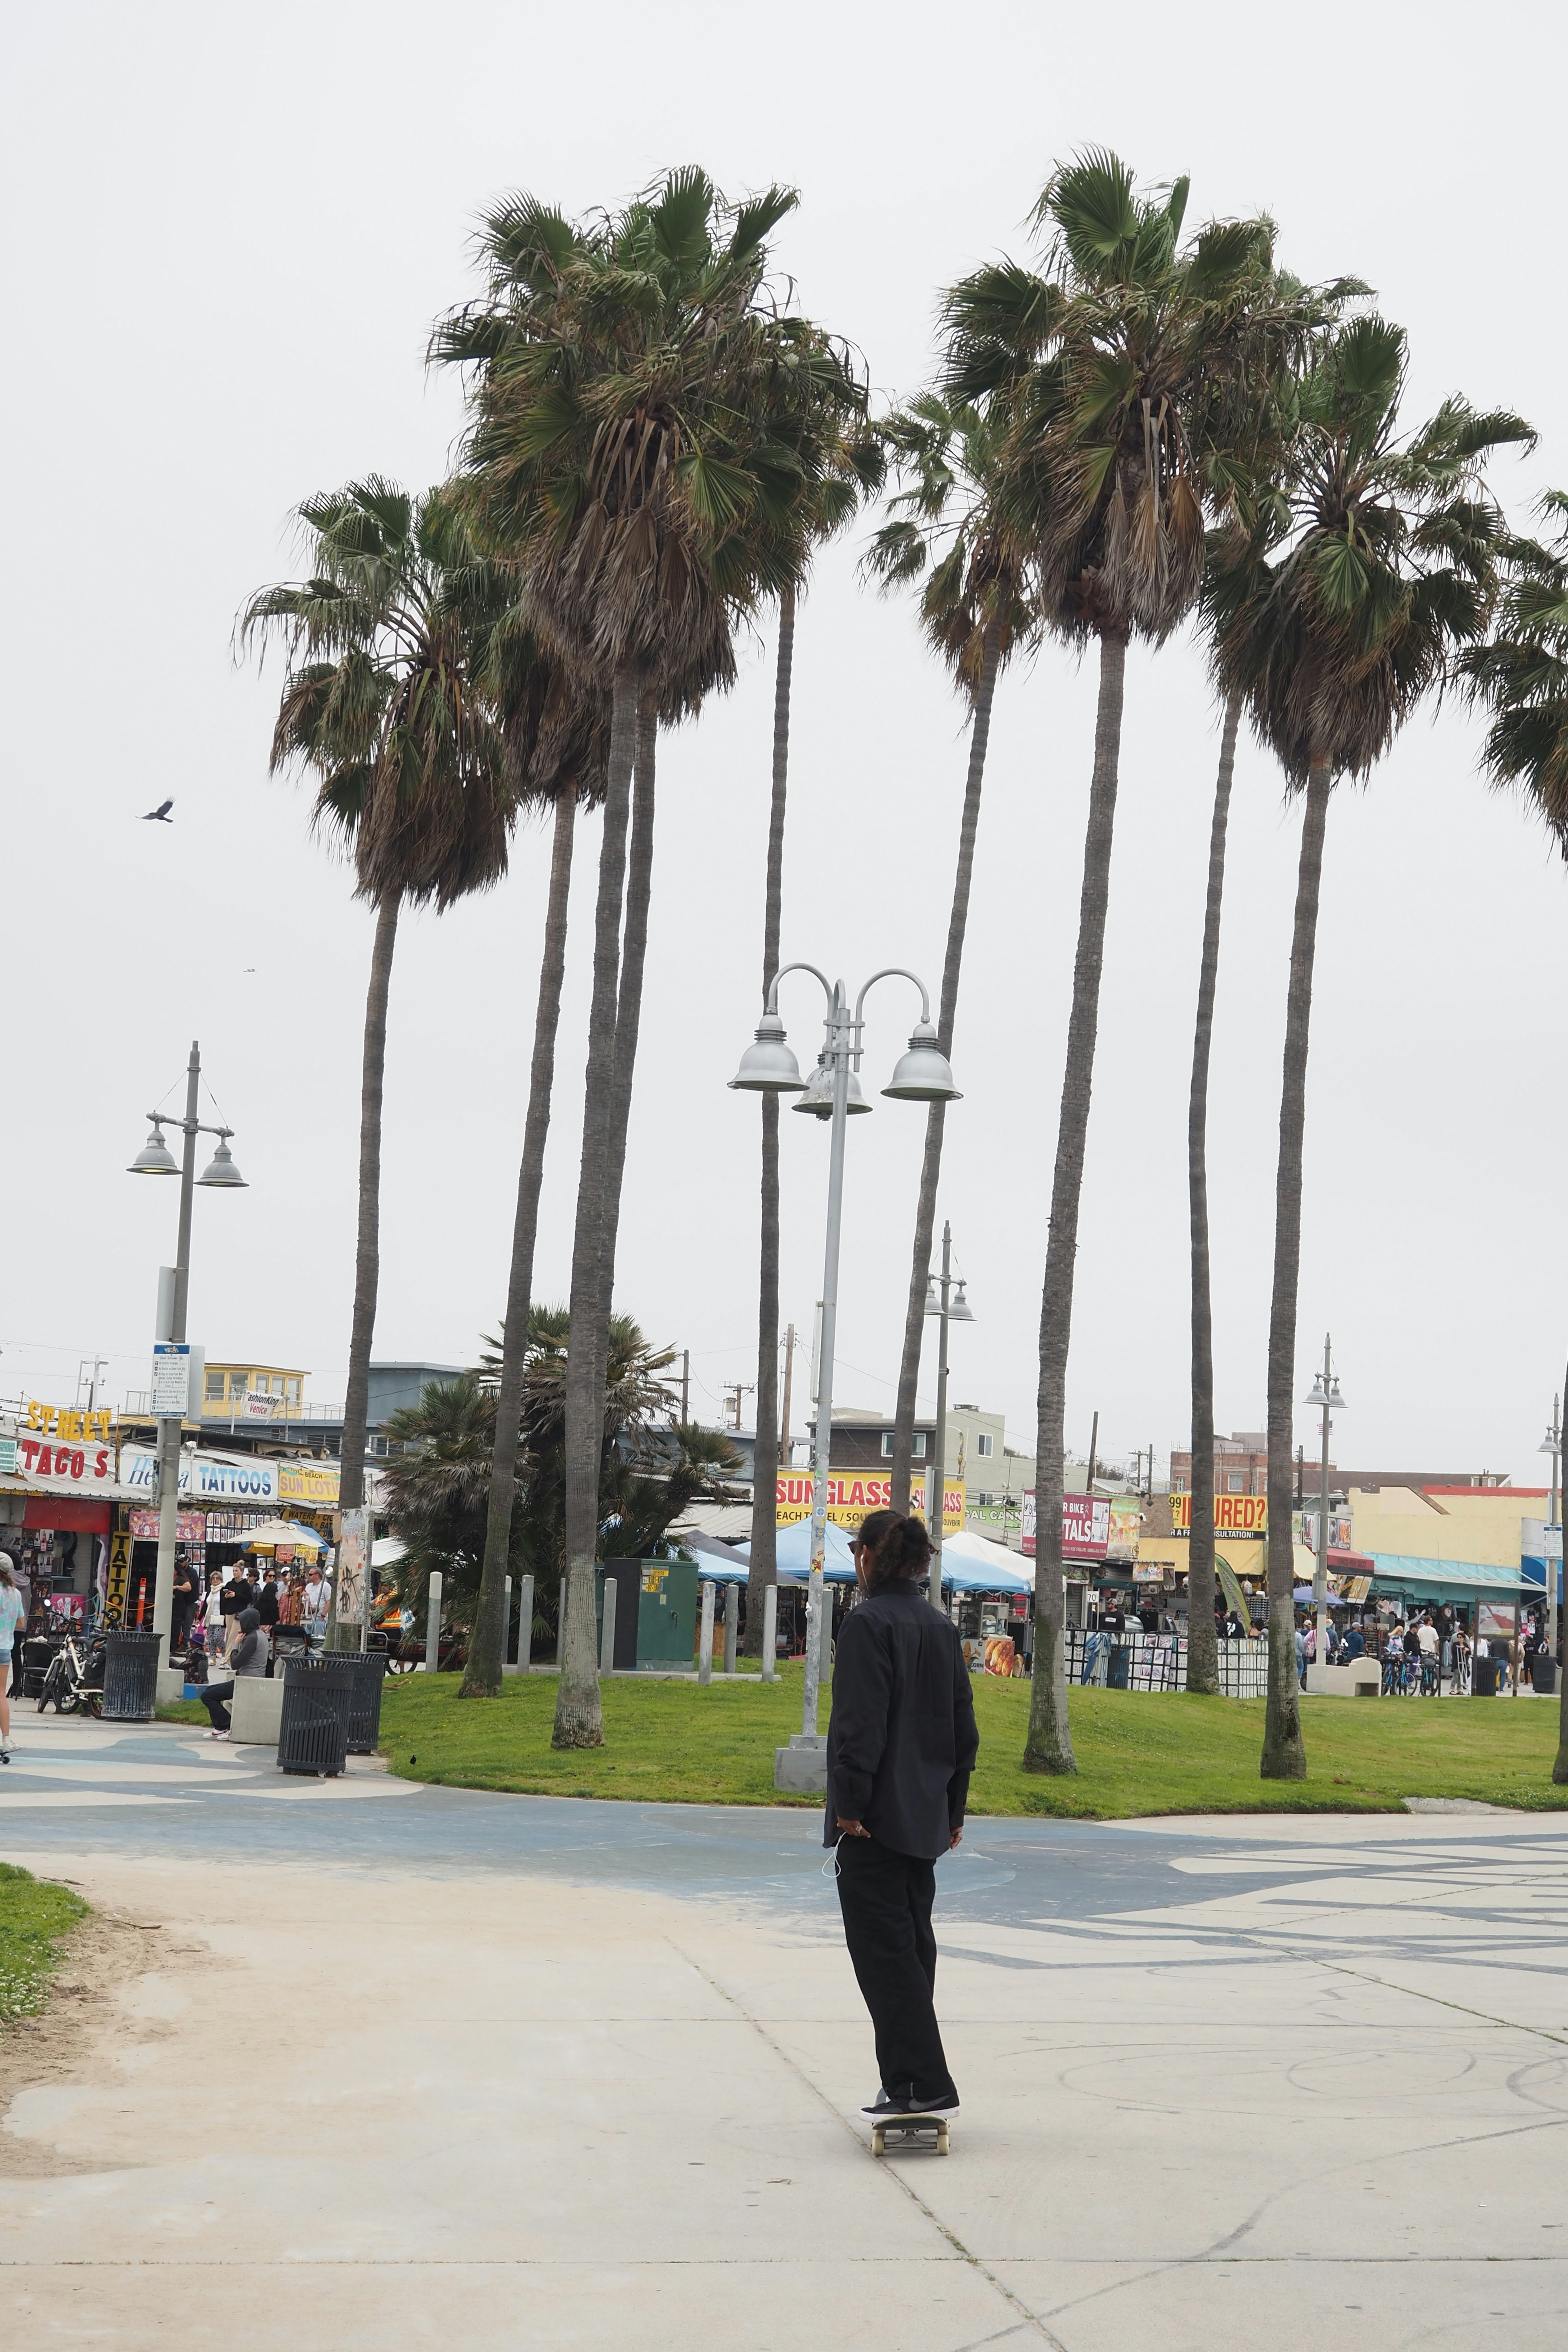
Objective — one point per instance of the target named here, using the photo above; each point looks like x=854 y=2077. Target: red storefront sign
x=69 y=1463
x=1086 y=1525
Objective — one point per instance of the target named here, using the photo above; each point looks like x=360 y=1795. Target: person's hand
x=852 y=1829
x=953 y=1836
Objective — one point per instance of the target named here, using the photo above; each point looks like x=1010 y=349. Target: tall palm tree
x=620 y=456
x=386 y=644
x=1102 y=363
x=557 y=739
x=1519 y=676
x=1338 y=616
x=976 y=612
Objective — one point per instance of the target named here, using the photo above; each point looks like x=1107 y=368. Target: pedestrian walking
x=318 y=1601
x=12 y=1616
x=213 y=1624
x=184 y=1606
x=901 y=1747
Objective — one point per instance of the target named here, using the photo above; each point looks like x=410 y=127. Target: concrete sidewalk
x=1313 y=2096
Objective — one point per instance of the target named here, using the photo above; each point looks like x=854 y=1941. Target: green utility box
x=655 y=1611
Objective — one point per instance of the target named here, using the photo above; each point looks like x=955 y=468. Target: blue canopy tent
x=969 y=1563
x=793 y=1555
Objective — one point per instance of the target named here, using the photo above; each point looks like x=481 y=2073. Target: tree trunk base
x=479 y=1686
x=1284 y=1760
x=1560 y=1770
x=1042 y=1759
x=577 y=1735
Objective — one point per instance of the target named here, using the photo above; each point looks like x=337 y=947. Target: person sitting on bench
x=249 y=1658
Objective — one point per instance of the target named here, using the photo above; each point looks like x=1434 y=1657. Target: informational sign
x=119 y=1579
x=1086 y=1525
x=256 y=1405
x=1341 y=1529
x=65 y=1466
x=352 y=1585
x=171 y=1380
x=852 y=1498
x=314 y=1483
x=7 y=1457
x=214 y=1478
x=1235 y=1516
x=70 y=1421
x=190 y=1527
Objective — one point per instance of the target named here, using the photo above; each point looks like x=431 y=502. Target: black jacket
x=902 y=1741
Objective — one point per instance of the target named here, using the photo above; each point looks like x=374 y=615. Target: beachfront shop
x=58 y=1491
x=222 y=1499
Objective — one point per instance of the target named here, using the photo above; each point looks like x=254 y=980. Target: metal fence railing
x=1158 y=1662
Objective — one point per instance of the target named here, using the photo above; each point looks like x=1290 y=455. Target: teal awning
x=1442 y=1579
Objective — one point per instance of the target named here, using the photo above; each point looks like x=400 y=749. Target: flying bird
x=160 y=815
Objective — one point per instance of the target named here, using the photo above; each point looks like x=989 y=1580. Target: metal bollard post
x=771 y=1634
x=433 y=1623
x=731 y=1625
x=705 y=1655
x=505 y=1623
x=608 y=1628
x=524 y=1622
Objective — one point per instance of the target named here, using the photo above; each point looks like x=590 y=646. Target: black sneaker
x=885 y=2105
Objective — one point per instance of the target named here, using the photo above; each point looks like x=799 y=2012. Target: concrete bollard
x=505 y=1623
x=731 y=1625
x=705 y=1655
x=433 y=1623
x=771 y=1634
x=524 y=1621
x=608 y=1628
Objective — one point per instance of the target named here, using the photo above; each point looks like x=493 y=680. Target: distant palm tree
x=1348 y=604
x=1105 y=367
x=1519 y=676
x=950 y=530
x=383 y=699
x=622 y=456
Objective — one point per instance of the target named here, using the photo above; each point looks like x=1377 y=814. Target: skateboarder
x=900 y=1747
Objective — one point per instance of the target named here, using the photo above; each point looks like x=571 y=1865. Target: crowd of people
x=209 y=1620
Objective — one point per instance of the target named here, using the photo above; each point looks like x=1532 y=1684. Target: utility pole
x=1326 y=1398
x=685 y=1384
x=1093 y=1452
x=735 y=1390
x=788 y=1389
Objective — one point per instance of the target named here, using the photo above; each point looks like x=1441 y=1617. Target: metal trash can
x=1544 y=1674
x=318 y=1702
x=1117 y=1665
x=364 y=1704
x=130 y=1677
x=1484 y=1681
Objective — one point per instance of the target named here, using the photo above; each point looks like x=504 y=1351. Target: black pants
x=885 y=1899
x=212 y=1696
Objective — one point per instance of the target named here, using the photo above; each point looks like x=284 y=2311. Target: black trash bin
x=318 y=1701
x=1484 y=1681
x=365 y=1707
x=1116 y=1666
x=130 y=1677
x=1544 y=1673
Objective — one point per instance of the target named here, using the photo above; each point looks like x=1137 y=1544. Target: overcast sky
x=229 y=232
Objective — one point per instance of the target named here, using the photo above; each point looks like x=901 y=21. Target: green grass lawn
x=1137 y=1753
x=34 y=1916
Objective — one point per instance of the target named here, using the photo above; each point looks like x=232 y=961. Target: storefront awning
x=1441 y=1580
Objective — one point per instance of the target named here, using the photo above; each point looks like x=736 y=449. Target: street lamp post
x=155 y=1158
x=1325 y=1396
x=769 y=1067
x=947 y=1310
x=1553 y=1444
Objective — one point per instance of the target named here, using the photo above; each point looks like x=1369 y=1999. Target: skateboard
x=910 y=2131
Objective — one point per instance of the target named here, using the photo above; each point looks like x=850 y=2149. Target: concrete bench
x=257 y=1710
x=1363 y=1678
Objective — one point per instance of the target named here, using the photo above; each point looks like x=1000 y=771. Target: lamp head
x=817 y=1097
x=924 y=1073
x=154 y=1159
x=221 y=1172
x=958 y=1309
x=769 y=1067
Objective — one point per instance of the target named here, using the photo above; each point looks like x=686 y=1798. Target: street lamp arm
x=185 y=1126
x=784 y=972
x=892 y=971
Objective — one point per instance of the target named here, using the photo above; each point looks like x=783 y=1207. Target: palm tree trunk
x=367 y=1250
x=930 y=1161
x=1049 y=1748
x=766 y=1454
x=487 y=1645
x=578 y=1719
x=1284 y=1757
x=1202 y=1653
x=628 y=1017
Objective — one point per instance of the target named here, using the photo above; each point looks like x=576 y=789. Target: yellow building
x=248 y=1392
x=1457 y=1524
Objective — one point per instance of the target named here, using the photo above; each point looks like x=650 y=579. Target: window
x=214 y=1386
x=238 y=1382
x=294 y=1391
x=277 y=1384
x=918 y=1448
x=1235 y=1483
x=985 y=1445
x=1178 y=1486
x=887 y=1446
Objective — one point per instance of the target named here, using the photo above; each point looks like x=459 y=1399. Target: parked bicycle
x=74 y=1682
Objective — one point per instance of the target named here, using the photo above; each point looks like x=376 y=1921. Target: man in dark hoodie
x=901 y=1747
x=248 y=1656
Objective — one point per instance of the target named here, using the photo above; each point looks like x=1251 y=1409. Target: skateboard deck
x=910 y=2131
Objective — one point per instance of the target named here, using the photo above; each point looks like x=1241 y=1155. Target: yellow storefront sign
x=853 y=1497
x=1240 y=1518
x=119 y=1579
x=314 y=1483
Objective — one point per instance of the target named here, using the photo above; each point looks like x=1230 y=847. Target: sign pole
x=936 y=1480
x=170 y=1431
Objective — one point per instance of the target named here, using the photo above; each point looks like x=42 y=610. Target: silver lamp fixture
x=817 y=1099
x=221 y=1171
x=154 y=1159
x=769 y=1067
x=924 y=1074
x=959 y=1308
